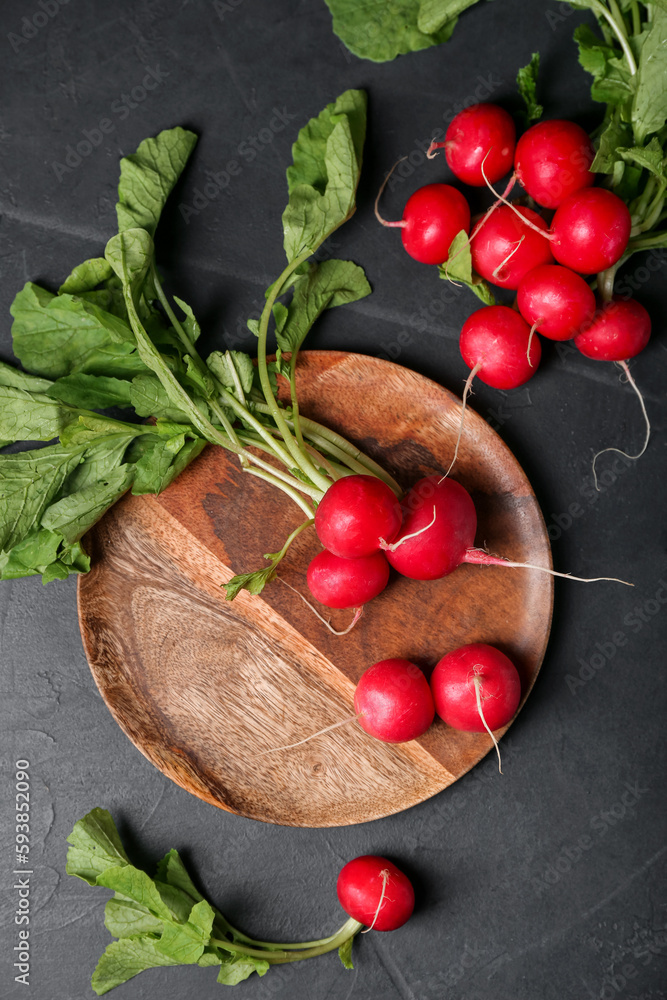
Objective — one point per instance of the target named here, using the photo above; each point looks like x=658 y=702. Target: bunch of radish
x=515 y=247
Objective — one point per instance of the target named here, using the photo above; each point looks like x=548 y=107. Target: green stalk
x=301 y=459
x=636 y=18
x=277 y=954
x=292 y=493
x=603 y=11
x=335 y=471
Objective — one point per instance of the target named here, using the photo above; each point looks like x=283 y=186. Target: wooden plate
x=202 y=686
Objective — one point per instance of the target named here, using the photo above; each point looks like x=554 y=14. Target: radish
x=429 y=551
x=620 y=330
x=357 y=514
x=375 y=892
x=552 y=161
x=393 y=701
x=347 y=583
x=432 y=217
x=590 y=230
x=476 y=688
x=505 y=247
x=556 y=301
x=494 y=343
x=481 y=134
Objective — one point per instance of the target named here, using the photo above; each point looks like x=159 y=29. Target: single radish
x=432 y=217
x=494 y=343
x=505 y=248
x=357 y=514
x=347 y=583
x=552 y=161
x=620 y=330
x=481 y=134
x=375 y=892
x=476 y=688
x=432 y=547
x=590 y=230
x=393 y=701
x=556 y=301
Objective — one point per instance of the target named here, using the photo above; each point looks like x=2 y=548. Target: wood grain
x=203 y=686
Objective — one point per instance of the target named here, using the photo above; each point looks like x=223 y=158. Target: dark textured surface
x=545 y=883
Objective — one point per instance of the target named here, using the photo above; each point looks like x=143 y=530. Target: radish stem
x=478 y=557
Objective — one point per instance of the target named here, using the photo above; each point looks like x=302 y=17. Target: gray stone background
x=545 y=883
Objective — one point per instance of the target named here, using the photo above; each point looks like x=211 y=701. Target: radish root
x=496 y=271
x=384 y=222
x=487 y=215
x=530 y=339
x=477 y=681
x=385 y=878
x=624 y=366
x=320 y=732
x=430 y=152
x=503 y=199
x=394 y=545
x=466 y=391
x=478 y=557
x=358 y=612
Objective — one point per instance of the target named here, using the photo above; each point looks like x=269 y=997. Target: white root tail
x=477 y=681
x=487 y=215
x=624 y=366
x=358 y=612
x=394 y=545
x=320 y=732
x=466 y=390
x=502 y=198
x=385 y=878
x=400 y=224
x=530 y=340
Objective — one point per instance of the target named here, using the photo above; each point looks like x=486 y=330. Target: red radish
x=620 y=330
x=355 y=515
x=590 y=230
x=494 y=343
x=432 y=217
x=481 y=134
x=476 y=688
x=556 y=301
x=393 y=701
x=347 y=583
x=434 y=547
x=552 y=161
x=504 y=249
x=375 y=892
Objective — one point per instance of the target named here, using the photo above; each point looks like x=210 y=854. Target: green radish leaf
x=31 y=556
x=130 y=255
x=190 y=324
x=17 y=379
x=55 y=334
x=458 y=269
x=101 y=458
x=382 y=31
x=29 y=482
x=615 y=134
x=32 y=416
x=172 y=871
x=91 y=392
x=323 y=178
x=95 y=847
x=148 y=176
x=75 y=514
x=156 y=469
x=331 y=283
x=434 y=14
x=150 y=399
x=345 y=953
x=254 y=583
x=221 y=364
x=125 y=918
x=649 y=107
x=235 y=968
x=526 y=81
x=612 y=82
x=186 y=942
x=87 y=276
x=650 y=157
x=125 y=959
x=133 y=883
